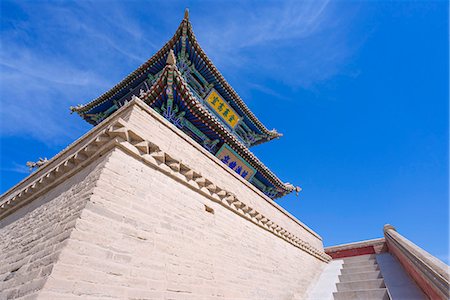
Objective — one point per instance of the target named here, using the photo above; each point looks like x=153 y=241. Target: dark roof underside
x=157 y=62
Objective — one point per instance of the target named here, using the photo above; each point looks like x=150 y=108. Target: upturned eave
x=197 y=108
x=162 y=54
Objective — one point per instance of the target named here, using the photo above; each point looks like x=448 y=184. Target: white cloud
x=258 y=26
x=298 y=43
x=58 y=57
x=17 y=168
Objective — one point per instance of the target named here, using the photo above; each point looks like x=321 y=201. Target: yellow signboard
x=223 y=109
x=233 y=160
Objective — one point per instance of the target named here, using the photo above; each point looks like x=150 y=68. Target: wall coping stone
x=141 y=104
x=115 y=133
x=435 y=272
x=366 y=243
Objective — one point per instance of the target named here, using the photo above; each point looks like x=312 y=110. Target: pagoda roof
x=184 y=38
x=172 y=82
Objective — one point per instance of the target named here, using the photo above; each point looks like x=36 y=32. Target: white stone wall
x=155 y=128
x=32 y=237
x=144 y=235
x=125 y=226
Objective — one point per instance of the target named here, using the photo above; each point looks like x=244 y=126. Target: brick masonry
x=134 y=232
x=31 y=239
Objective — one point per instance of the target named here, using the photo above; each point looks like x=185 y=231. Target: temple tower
x=182 y=84
x=162 y=199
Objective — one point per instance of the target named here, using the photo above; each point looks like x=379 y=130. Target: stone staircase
x=360 y=279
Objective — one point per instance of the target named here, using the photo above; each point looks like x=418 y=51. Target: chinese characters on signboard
x=222 y=108
x=235 y=162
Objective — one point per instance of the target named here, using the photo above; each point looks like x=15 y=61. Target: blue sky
x=359 y=90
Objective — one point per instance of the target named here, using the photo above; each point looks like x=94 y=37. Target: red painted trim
x=351 y=252
x=412 y=271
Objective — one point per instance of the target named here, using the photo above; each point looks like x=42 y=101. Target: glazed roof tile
x=197 y=108
x=162 y=54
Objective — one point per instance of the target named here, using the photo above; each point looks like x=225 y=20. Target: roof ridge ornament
x=185 y=22
x=37 y=164
x=291 y=188
x=171 y=60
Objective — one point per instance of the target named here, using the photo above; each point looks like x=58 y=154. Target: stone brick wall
x=32 y=237
x=144 y=235
x=155 y=128
x=131 y=224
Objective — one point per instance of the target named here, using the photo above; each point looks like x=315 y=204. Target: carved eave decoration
x=183 y=43
x=169 y=84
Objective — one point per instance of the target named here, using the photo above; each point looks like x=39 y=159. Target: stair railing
x=430 y=274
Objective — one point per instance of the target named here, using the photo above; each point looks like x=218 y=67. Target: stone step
x=360 y=285
x=359 y=264
x=359 y=269
x=359 y=258
x=375 y=294
x=360 y=276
